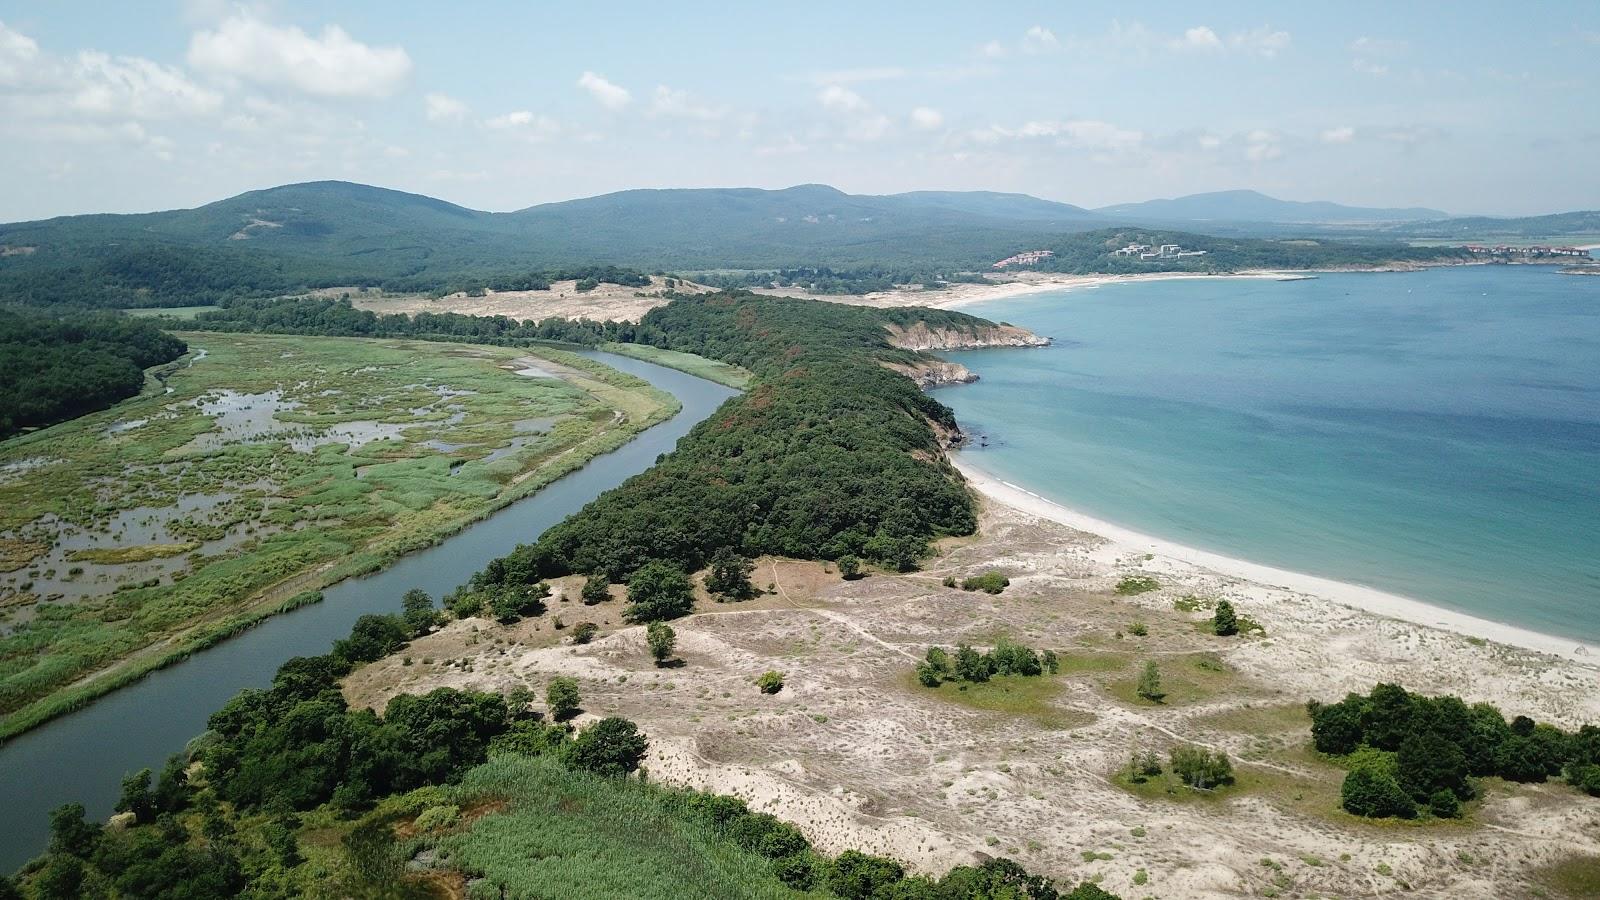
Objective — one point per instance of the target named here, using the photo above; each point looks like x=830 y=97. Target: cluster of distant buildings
x=1524 y=252
x=1025 y=258
x=1165 y=251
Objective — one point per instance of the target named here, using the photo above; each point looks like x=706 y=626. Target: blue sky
x=1466 y=107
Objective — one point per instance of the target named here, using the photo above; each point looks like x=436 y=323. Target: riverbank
x=1323 y=596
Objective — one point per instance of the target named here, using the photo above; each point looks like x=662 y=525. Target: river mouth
x=82 y=757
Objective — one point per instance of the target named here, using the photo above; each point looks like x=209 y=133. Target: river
x=83 y=756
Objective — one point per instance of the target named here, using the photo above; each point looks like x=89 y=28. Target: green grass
x=173 y=312
x=1186 y=679
x=1012 y=695
x=369 y=505
x=569 y=834
x=710 y=369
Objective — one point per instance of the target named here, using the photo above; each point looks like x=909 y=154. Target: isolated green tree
x=971 y=665
x=849 y=567
x=659 y=591
x=770 y=682
x=561 y=698
x=611 y=746
x=584 y=632
x=1149 y=686
x=1224 y=622
x=662 y=639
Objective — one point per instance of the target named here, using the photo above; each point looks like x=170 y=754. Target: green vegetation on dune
x=1094 y=252
x=711 y=370
x=277 y=465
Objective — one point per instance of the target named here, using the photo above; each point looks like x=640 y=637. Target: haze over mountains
x=1254 y=206
x=321 y=232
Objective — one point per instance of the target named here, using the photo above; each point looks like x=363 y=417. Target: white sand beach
x=1326 y=589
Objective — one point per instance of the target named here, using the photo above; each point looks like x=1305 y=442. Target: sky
x=1468 y=107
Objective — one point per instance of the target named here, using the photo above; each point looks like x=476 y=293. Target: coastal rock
x=921 y=337
x=934 y=373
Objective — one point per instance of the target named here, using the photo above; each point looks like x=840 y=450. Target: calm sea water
x=1434 y=434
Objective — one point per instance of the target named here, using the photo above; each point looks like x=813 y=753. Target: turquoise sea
x=1434 y=434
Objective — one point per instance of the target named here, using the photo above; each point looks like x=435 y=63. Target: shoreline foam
x=1370 y=600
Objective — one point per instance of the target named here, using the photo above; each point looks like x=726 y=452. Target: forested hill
x=829 y=455
x=1096 y=251
x=324 y=234
x=55 y=369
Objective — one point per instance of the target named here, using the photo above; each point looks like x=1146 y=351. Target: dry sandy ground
x=859 y=755
x=608 y=302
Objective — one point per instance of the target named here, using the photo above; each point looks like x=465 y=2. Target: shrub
x=1200 y=768
x=1138 y=629
x=511 y=603
x=661 y=638
x=849 y=567
x=1444 y=804
x=561 y=698
x=1136 y=584
x=990 y=582
x=1224 y=623
x=949 y=581
x=770 y=682
x=584 y=632
x=729 y=576
x=611 y=746
x=1149 y=686
x=1143 y=765
x=1375 y=794
x=596 y=589
x=971 y=665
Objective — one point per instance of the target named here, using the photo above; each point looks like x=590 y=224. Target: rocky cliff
x=920 y=337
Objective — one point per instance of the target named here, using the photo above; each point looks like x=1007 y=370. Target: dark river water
x=84 y=756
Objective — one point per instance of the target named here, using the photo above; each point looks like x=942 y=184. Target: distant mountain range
x=334 y=233
x=1254 y=206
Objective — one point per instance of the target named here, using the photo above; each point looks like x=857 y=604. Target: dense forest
x=53 y=369
x=825 y=280
x=829 y=455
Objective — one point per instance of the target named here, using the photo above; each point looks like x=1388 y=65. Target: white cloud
x=1200 y=37
x=1262 y=40
x=1079 y=134
x=1374 y=46
x=524 y=123
x=136 y=88
x=854 y=76
x=605 y=93
x=1343 y=134
x=1209 y=141
x=993 y=50
x=18 y=54
x=841 y=99
x=675 y=104
x=1262 y=145
x=1368 y=67
x=1039 y=39
x=444 y=108
x=926 y=118
x=332 y=64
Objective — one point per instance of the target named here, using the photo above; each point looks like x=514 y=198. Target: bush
x=1374 y=794
x=584 y=632
x=1224 y=623
x=661 y=638
x=1137 y=584
x=1200 y=768
x=511 y=603
x=1149 y=686
x=770 y=682
x=729 y=575
x=1138 y=629
x=1144 y=765
x=596 y=589
x=1444 y=804
x=849 y=567
x=990 y=582
x=611 y=746
x=561 y=698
